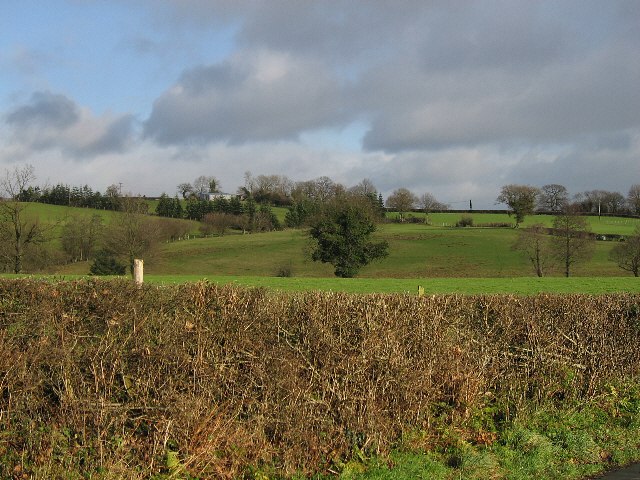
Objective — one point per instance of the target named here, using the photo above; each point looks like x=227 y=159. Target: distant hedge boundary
x=106 y=376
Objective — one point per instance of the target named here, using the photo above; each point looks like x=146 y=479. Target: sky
x=454 y=98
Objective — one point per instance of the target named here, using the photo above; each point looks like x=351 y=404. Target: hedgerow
x=108 y=378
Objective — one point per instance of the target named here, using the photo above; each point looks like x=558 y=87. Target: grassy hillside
x=601 y=225
x=417 y=250
x=57 y=214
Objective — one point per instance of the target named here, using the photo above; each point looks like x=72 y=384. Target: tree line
x=569 y=241
x=66 y=195
x=553 y=198
x=26 y=241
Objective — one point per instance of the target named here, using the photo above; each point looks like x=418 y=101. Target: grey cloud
x=440 y=33
x=45 y=109
x=425 y=74
x=620 y=141
x=605 y=163
x=510 y=36
x=53 y=121
x=563 y=101
x=254 y=96
x=117 y=137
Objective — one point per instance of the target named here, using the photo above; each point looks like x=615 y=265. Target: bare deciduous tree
x=18 y=230
x=402 y=200
x=80 y=236
x=633 y=199
x=553 y=198
x=428 y=203
x=364 y=188
x=572 y=241
x=217 y=222
x=132 y=234
x=185 y=189
x=627 y=254
x=206 y=184
x=534 y=243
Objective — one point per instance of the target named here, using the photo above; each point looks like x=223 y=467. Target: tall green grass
x=568 y=441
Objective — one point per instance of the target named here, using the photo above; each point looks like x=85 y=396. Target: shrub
x=106 y=264
x=465 y=221
x=495 y=225
x=285 y=270
x=413 y=219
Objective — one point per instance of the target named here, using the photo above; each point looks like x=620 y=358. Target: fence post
x=138 y=271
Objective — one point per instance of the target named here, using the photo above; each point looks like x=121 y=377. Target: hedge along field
x=106 y=378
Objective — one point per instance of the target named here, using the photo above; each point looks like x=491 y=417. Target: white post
x=138 y=271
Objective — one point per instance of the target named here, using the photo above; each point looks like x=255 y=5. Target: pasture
x=434 y=250
x=415 y=251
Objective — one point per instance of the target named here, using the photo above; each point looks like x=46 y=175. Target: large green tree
x=343 y=238
x=521 y=200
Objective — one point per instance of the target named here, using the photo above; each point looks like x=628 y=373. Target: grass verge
x=568 y=441
x=465 y=286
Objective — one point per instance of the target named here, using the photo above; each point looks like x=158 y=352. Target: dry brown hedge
x=103 y=374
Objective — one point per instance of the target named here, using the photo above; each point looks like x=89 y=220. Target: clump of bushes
x=495 y=225
x=285 y=270
x=465 y=221
x=106 y=264
x=207 y=381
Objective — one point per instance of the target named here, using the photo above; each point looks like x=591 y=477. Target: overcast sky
x=456 y=98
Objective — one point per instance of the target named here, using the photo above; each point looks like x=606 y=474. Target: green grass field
x=518 y=285
x=467 y=286
x=418 y=251
x=601 y=225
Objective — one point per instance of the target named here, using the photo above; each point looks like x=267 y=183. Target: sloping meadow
x=104 y=376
